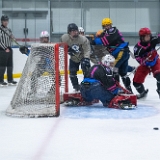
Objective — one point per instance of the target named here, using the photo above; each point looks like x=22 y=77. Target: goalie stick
x=23 y=49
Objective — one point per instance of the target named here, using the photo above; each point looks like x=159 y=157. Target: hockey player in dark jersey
x=117 y=47
x=148 y=58
x=99 y=84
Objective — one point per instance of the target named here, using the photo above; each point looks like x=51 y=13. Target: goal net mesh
x=38 y=91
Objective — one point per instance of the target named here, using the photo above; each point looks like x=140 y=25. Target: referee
x=6 y=53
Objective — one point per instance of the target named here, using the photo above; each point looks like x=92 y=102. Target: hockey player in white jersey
x=79 y=51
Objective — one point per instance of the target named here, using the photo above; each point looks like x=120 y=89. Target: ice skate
x=126 y=106
x=3 y=84
x=143 y=94
x=12 y=83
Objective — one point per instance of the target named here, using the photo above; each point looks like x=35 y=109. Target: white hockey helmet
x=81 y=29
x=108 y=59
x=44 y=34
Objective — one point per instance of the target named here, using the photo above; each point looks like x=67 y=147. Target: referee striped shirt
x=5 y=40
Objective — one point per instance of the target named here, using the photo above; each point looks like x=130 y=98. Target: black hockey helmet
x=4 y=18
x=72 y=27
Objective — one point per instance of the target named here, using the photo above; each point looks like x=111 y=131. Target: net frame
x=60 y=62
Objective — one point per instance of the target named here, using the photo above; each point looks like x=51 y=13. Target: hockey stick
x=10 y=36
x=147 y=58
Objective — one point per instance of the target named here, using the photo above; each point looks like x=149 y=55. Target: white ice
x=83 y=133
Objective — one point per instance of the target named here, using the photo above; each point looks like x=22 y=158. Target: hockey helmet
x=108 y=59
x=44 y=34
x=81 y=29
x=144 y=31
x=72 y=27
x=4 y=18
x=106 y=21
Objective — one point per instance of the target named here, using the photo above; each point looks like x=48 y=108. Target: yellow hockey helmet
x=106 y=21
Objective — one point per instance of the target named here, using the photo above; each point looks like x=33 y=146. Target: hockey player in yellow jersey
x=79 y=51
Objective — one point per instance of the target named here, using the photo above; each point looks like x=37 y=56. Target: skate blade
x=128 y=107
x=12 y=84
x=3 y=86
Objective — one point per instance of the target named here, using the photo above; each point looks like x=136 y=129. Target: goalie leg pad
x=123 y=101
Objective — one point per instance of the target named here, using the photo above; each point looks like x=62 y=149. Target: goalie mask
x=44 y=37
x=108 y=60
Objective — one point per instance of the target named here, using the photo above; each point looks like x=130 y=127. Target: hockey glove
x=24 y=50
x=85 y=64
x=151 y=55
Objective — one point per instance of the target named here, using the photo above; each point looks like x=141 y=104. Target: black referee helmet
x=4 y=18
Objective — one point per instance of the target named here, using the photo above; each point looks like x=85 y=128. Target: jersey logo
x=75 y=48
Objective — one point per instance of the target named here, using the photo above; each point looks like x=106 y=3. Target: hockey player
x=45 y=64
x=79 y=51
x=98 y=49
x=44 y=37
x=81 y=31
x=117 y=47
x=99 y=84
x=148 y=58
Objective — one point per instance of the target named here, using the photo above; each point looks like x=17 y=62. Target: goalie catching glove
x=24 y=50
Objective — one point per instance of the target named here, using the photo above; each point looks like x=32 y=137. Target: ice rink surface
x=83 y=133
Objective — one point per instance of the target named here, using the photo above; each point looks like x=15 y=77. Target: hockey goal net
x=44 y=77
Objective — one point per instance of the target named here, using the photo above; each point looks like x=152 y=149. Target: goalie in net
x=99 y=84
x=38 y=91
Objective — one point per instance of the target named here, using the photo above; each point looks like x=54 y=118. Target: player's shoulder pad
x=65 y=38
x=82 y=39
x=112 y=30
x=154 y=38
